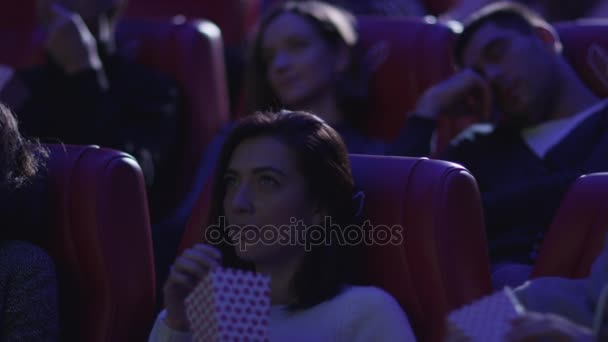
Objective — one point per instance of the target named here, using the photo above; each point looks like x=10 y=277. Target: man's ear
x=550 y=38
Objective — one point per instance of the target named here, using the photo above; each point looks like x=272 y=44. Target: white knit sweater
x=357 y=314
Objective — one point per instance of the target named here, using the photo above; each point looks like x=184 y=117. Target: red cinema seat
x=576 y=235
x=443 y=262
x=586 y=48
x=438 y=7
x=192 y=54
x=101 y=244
x=420 y=55
x=235 y=18
x=18 y=32
x=18 y=14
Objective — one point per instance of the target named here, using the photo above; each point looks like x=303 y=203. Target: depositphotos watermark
x=299 y=234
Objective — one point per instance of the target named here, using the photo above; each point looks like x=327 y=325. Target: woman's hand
x=189 y=269
x=533 y=326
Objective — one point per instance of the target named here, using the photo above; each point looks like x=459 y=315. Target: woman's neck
x=326 y=108
x=281 y=273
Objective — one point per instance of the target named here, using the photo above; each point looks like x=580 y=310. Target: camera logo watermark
x=299 y=234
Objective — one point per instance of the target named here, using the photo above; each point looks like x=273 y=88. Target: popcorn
x=230 y=305
x=487 y=319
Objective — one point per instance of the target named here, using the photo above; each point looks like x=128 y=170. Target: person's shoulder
x=371 y=314
x=22 y=255
x=365 y=297
x=357 y=142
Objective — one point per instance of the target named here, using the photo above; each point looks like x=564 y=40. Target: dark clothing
x=29 y=306
x=413 y=140
x=29 y=309
x=136 y=112
x=25 y=211
x=521 y=192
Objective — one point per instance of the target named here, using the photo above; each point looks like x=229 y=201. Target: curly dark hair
x=21 y=158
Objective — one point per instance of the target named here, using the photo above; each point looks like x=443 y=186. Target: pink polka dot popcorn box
x=230 y=305
x=487 y=319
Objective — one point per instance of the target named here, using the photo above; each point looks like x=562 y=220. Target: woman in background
x=305 y=56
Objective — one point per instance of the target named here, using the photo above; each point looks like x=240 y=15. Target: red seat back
x=235 y=18
x=420 y=55
x=443 y=262
x=576 y=235
x=17 y=32
x=101 y=243
x=586 y=48
x=438 y=7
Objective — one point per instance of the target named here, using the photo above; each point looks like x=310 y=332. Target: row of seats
x=236 y=18
x=192 y=53
x=107 y=284
x=103 y=249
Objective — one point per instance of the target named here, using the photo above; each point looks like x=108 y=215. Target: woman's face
x=265 y=193
x=301 y=64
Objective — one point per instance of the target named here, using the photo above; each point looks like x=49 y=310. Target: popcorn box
x=230 y=305
x=487 y=319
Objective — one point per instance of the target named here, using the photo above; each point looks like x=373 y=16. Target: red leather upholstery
x=443 y=262
x=576 y=235
x=18 y=14
x=101 y=244
x=586 y=48
x=235 y=18
x=437 y=7
x=420 y=55
x=17 y=23
x=192 y=54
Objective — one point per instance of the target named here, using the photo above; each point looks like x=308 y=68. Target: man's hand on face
x=465 y=93
x=70 y=42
